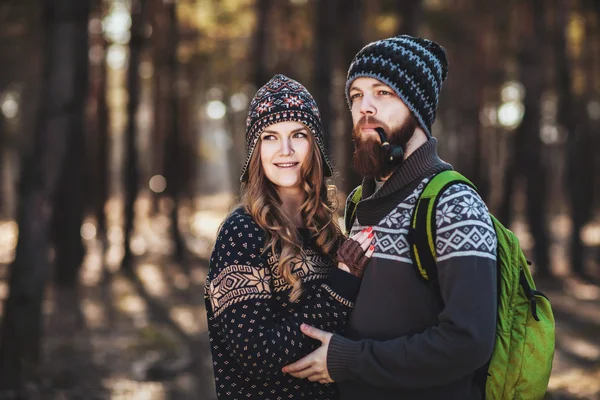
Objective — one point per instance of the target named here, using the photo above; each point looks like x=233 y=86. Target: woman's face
x=284 y=149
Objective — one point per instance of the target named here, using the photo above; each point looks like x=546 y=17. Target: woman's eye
x=354 y=96
x=268 y=137
x=299 y=135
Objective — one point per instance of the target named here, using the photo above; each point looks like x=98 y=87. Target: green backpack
x=521 y=361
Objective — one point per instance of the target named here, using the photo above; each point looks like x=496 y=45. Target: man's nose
x=367 y=106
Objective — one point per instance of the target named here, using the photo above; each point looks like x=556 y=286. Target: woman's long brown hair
x=261 y=201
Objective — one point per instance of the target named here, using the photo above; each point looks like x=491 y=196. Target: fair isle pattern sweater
x=400 y=342
x=254 y=330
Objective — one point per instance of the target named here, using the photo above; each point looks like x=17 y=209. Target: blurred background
x=122 y=139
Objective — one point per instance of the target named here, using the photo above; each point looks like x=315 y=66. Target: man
x=405 y=340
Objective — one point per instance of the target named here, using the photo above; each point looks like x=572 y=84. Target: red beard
x=369 y=158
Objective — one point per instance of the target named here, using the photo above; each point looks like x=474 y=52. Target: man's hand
x=314 y=365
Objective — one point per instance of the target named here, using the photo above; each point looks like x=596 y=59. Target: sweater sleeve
x=241 y=293
x=463 y=339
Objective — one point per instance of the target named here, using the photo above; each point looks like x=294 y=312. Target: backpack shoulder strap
x=423 y=228
x=350 y=209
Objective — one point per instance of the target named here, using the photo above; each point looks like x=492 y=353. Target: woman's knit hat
x=283 y=99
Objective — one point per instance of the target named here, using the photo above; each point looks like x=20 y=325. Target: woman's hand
x=354 y=254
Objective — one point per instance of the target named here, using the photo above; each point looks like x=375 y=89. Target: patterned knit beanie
x=283 y=99
x=413 y=67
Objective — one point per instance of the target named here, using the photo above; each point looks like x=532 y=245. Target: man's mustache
x=366 y=120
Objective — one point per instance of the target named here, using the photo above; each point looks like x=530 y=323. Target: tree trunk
x=131 y=172
x=480 y=66
x=64 y=88
x=2 y=175
x=505 y=212
x=260 y=73
x=159 y=94
x=172 y=147
x=411 y=12
x=102 y=142
x=101 y=185
x=323 y=63
x=350 y=26
x=528 y=143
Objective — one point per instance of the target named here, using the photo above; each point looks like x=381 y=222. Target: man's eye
x=384 y=92
x=354 y=96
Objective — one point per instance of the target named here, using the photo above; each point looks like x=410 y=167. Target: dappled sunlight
x=129 y=303
x=132 y=304
x=135 y=307
x=185 y=217
x=588 y=382
x=114 y=255
x=205 y=224
x=91 y=271
x=590 y=234
x=582 y=290
x=114 y=211
x=568 y=303
x=153 y=280
x=181 y=281
x=580 y=347
x=4 y=289
x=9 y=233
x=138 y=245
x=94 y=314
x=560 y=260
x=561 y=226
x=127 y=389
x=198 y=275
x=189 y=318
x=220 y=202
x=88 y=231
x=521 y=230
x=115 y=235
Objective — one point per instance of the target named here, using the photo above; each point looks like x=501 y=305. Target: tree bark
x=173 y=145
x=528 y=144
x=323 y=63
x=260 y=73
x=411 y=12
x=131 y=172
x=102 y=138
x=66 y=27
x=2 y=175
x=579 y=177
x=159 y=128
x=350 y=27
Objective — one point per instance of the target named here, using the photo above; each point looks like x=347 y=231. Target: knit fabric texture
x=413 y=67
x=254 y=328
x=283 y=99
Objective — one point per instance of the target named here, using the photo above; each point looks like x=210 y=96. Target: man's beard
x=369 y=157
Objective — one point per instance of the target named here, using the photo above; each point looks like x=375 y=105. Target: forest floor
x=142 y=335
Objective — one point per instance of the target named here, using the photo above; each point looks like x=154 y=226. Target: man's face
x=375 y=104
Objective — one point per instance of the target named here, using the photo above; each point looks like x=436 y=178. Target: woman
x=272 y=267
